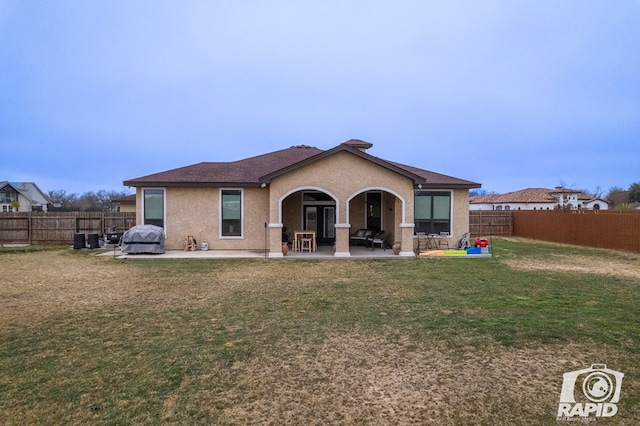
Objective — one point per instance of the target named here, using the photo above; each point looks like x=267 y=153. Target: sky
x=533 y=93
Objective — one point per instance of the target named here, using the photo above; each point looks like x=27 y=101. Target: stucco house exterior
x=246 y=204
x=538 y=199
x=22 y=197
x=126 y=204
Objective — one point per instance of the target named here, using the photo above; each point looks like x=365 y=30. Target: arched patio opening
x=376 y=209
x=311 y=209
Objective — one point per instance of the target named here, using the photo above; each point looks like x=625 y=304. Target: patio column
x=342 y=240
x=406 y=241
x=275 y=240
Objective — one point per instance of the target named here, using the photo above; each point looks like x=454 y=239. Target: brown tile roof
x=127 y=199
x=241 y=172
x=527 y=195
x=262 y=168
x=483 y=199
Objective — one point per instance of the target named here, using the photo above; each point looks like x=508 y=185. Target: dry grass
x=580 y=264
x=613 y=263
x=95 y=340
x=362 y=379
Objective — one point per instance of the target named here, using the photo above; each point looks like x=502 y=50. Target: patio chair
x=463 y=242
x=443 y=240
x=361 y=236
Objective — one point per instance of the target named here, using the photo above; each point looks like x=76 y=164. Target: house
x=22 y=197
x=538 y=199
x=125 y=204
x=249 y=204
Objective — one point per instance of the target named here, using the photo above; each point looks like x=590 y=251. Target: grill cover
x=143 y=239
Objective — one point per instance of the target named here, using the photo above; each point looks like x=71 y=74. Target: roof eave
x=429 y=185
x=150 y=183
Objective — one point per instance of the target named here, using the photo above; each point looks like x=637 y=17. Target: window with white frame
x=432 y=211
x=231 y=212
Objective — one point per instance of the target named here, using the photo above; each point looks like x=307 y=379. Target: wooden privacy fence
x=44 y=228
x=619 y=230
x=490 y=222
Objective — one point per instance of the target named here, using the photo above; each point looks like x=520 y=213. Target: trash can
x=78 y=241
x=94 y=241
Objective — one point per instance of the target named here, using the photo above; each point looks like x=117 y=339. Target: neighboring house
x=538 y=199
x=22 y=197
x=245 y=204
x=125 y=204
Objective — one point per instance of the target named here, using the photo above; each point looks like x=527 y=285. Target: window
x=432 y=212
x=7 y=195
x=231 y=213
x=316 y=196
x=153 y=207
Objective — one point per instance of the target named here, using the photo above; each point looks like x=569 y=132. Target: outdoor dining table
x=432 y=242
x=299 y=235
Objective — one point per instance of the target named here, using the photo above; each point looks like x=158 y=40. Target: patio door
x=321 y=219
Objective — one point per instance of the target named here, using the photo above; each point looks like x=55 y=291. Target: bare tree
x=634 y=192
x=89 y=201
x=62 y=201
x=618 y=196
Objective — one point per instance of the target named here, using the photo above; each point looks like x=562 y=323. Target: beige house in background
x=246 y=204
x=126 y=204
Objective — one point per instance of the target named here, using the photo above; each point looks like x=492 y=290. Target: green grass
x=87 y=339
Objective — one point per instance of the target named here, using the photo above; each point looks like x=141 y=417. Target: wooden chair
x=306 y=244
x=190 y=244
x=443 y=240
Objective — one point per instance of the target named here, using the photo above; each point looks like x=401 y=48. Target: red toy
x=481 y=242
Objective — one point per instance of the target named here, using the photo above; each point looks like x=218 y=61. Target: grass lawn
x=88 y=339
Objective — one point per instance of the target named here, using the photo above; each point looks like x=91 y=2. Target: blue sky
x=508 y=94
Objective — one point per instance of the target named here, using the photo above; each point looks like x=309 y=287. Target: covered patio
x=322 y=253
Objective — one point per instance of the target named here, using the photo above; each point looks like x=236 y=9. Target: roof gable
x=29 y=190
x=348 y=147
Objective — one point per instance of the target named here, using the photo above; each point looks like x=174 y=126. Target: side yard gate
x=42 y=228
x=490 y=222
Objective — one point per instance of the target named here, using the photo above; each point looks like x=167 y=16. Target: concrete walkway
x=323 y=253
